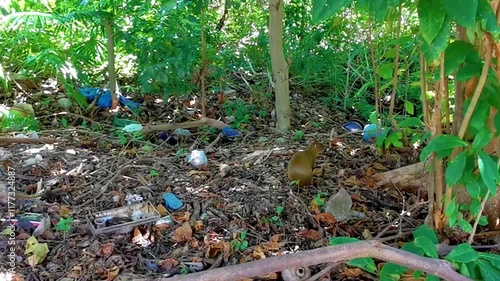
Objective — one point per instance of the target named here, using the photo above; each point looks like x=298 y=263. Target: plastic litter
x=132 y=128
x=230 y=132
x=340 y=204
x=171 y=201
x=353 y=126
x=370 y=132
x=182 y=132
x=197 y=158
x=104 y=98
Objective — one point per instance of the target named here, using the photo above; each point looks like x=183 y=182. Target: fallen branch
x=333 y=254
x=409 y=178
x=191 y=124
x=6 y=141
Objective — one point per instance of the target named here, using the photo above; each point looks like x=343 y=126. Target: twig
x=325 y=270
x=476 y=222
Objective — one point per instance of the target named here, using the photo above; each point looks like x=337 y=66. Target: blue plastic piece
x=353 y=126
x=370 y=132
x=104 y=98
x=171 y=201
x=230 y=132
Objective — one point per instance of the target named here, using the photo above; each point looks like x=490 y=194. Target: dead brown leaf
x=112 y=273
x=379 y=167
x=326 y=218
x=76 y=272
x=181 y=217
x=106 y=250
x=168 y=264
x=162 y=210
x=352 y=181
x=183 y=234
x=353 y=272
x=198 y=226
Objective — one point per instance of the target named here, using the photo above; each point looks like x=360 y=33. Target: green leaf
x=469 y=70
x=455 y=169
x=325 y=9
x=431 y=17
x=378 y=9
x=455 y=55
x=440 y=143
x=341 y=240
x=487 y=18
x=451 y=208
x=427 y=245
x=496 y=123
x=244 y=245
x=411 y=122
x=475 y=206
x=462 y=253
x=465 y=225
x=367 y=264
x=431 y=277
x=386 y=70
x=493 y=258
x=243 y=235
x=426 y=231
x=480 y=116
x=391 y=271
x=412 y=248
x=483 y=220
x=488 y=170
x=488 y=271
x=432 y=52
x=409 y=107
x=461 y=11
x=482 y=139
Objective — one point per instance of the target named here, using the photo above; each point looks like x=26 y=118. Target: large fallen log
x=409 y=178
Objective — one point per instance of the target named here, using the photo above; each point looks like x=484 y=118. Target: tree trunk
x=113 y=86
x=279 y=65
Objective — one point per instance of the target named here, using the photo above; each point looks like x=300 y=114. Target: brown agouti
x=301 y=165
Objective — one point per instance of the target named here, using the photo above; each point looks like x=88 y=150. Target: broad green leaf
x=493 y=258
x=487 y=18
x=488 y=170
x=483 y=221
x=411 y=122
x=488 y=271
x=479 y=117
x=341 y=240
x=462 y=253
x=451 y=208
x=426 y=231
x=440 y=143
x=409 y=107
x=427 y=245
x=431 y=17
x=378 y=9
x=496 y=123
x=412 y=248
x=469 y=70
x=386 y=70
x=473 y=188
x=455 y=169
x=461 y=11
x=455 y=55
x=465 y=225
x=367 y=264
x=325 y=9
x=431 y=277
x=464 y=270
x=475 y=206
x=482 y=139
x=432 y=52
x=391 y=271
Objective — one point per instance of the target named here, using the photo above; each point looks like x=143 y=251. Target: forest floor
x=234 y=201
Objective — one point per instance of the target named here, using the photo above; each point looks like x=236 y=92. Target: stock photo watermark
x=8 y=273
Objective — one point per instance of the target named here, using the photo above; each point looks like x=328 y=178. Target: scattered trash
x=165 y=220
x=340 y=204
x=263 y=139
x=194 y=266
x=4 y=154
x=130 y=128
x=120 y=220
x=197 y=158
x=171 y=201
x=370 y=132
x=27 y=220
x=281 y=140
x=353 y=126
x=104 y=98
x=33 y=160
x=182 y=132
x=172 y=140
x=133 y=199
x=230 y=132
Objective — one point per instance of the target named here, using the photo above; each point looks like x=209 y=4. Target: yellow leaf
x=39 y=255
x=64 y=211
x=31 y=244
